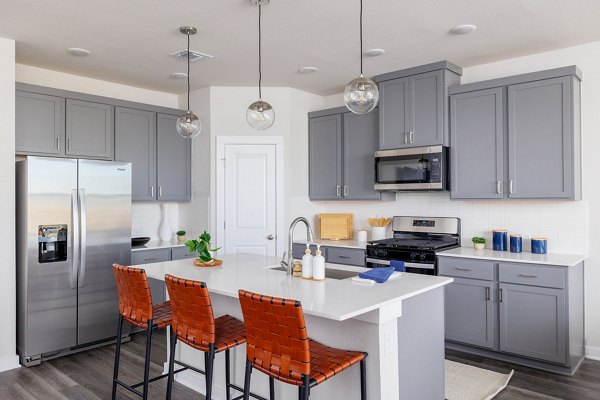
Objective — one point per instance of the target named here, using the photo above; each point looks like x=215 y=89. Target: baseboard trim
x=593 y=353
x=197 y=383
x=9 y=362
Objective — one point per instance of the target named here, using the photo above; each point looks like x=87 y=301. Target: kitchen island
x=399 y=323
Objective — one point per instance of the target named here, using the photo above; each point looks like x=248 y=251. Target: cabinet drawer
x=533 y=275
x=179 y=253
x=466 y=268
x=339 y=255
x=150 y=256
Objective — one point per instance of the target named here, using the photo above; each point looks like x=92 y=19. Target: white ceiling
x=131 y=40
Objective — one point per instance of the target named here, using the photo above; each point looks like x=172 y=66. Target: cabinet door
x=325 y=157
x=157 y=287
x=394 y=114
x=540 y=139
x=135 y=141
x=360 y=143
x=470 y=312
x=426 y=127
x=39 y=124
x=477 y=152
x=533 y=322
x=174 y=161
x=90 y=130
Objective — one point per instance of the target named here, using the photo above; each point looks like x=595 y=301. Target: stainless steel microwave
x=417 y=168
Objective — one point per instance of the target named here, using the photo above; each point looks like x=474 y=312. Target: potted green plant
x=181 y=236
x=203 y=248
x=478 y=242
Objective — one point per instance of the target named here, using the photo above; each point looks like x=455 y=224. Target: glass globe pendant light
x=260 y=114
x=361 y=94
x=188 y=124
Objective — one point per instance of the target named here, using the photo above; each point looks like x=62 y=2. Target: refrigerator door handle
x=74 y=238
x=83 y=235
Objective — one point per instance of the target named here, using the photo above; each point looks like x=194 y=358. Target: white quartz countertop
x=559 y=259
x=158 y=244
x=351 y=244
x=332 y=299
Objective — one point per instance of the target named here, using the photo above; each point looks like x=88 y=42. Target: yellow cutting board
x=335 y=226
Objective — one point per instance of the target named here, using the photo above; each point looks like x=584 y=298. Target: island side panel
x=421 y=346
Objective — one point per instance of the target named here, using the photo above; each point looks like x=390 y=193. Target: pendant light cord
x=361 y=37
x=259 y=53
x=188 y=72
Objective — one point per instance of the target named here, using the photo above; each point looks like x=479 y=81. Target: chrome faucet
x=288 y=261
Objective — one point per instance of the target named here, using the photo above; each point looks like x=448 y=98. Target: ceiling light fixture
x=260 y=114
x=78 y=52
x=308 y=70
x=463 y=29
x=374 y=52
x=188 y=124
x=361 y=95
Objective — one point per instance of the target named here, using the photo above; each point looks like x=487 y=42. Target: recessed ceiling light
x=463 y=29
x=374 y=52
x=178 y=75
x=76 y=51
x=308 y=70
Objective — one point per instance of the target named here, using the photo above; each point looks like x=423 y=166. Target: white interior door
x=250 y=199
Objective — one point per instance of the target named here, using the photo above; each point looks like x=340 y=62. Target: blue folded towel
x=398 y=265
x=379 y=275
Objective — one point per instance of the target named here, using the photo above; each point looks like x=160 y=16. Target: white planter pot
x=378 y=233
x=479 y=246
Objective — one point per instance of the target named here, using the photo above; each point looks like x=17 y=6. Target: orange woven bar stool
x=195 y=325
x=135 y=307
x=278 y=345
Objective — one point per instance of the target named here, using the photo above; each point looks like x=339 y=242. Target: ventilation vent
x=194 y=55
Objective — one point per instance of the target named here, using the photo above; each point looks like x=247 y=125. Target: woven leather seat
x=278 y=345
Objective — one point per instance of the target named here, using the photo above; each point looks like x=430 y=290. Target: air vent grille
x=194 y=55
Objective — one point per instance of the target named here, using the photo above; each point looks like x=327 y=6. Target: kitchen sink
x=330 y=273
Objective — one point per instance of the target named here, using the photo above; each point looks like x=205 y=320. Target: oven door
x=414 y=268
x=419 y=168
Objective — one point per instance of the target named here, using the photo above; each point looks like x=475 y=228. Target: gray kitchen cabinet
x=141 y=257
x=413 y=107
x=477 y=151
x=470 y=312
x=533 y=322
x=325 y=157
x=181 y=253
x=135 y=141
x=174 y=161
x=540 y=139
x=345 y=256
x=39 y=124
x=89 y=130
x=539 y=154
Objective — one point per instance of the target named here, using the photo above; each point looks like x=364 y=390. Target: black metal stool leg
x=147 y=360
x=271 y=388
x=209 y=366
x=306 y=390
x=227 y=375
x=247 y=380
x=363 y=380
x=300 y=393
x=171 y=376
x=117 y=357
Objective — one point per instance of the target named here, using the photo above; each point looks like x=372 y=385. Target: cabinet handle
x=462 y=269
x=511 y=187
x=500 y=295
x=343 y=256
x=151 y=191
x=487 y=294
x=57 y=143
x=160 y=191
x=528 y=276
x=149 y=259
x=499 y=187
x=411 y=137
x=338 y=190
x=345 y=190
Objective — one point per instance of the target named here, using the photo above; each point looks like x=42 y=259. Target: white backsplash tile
x=146 y=217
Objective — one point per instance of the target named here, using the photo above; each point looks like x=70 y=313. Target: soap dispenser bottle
x=307 y=263
x=318 y=265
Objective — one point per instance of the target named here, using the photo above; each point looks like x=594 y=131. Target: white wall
x=8 y=343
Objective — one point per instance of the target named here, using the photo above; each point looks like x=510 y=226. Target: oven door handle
x=406 y=264
x=377 y=261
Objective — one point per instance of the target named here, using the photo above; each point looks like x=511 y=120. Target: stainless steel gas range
x=416 y=241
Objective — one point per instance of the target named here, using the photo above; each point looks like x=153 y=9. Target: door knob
x=270 y=237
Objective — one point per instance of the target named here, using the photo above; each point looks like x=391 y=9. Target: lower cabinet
x=141 y=257
x=333 y=254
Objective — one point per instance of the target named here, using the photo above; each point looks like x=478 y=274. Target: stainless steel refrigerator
x=73 y=223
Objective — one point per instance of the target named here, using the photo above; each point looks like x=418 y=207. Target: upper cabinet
x=40 y=124
x=89 y=130
x=517 y=137
x=413 y=110
x=174 y=161
x=341 y=149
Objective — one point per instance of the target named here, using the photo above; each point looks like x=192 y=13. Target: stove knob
x=423 y=256
x=413 y=256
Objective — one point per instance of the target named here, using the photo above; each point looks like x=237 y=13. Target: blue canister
x=516 y=243
x=500 y=239
x=539 y=245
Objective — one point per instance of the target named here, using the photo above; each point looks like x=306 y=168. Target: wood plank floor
x=87 y=376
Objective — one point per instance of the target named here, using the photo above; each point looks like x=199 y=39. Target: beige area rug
x=464 y=382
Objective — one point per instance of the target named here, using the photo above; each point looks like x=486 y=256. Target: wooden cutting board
x=335 y=226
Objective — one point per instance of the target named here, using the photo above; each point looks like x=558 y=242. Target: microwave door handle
x=83 y=233
x=74 y=238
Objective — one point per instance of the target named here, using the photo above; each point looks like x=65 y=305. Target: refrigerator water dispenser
x=52 y=243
